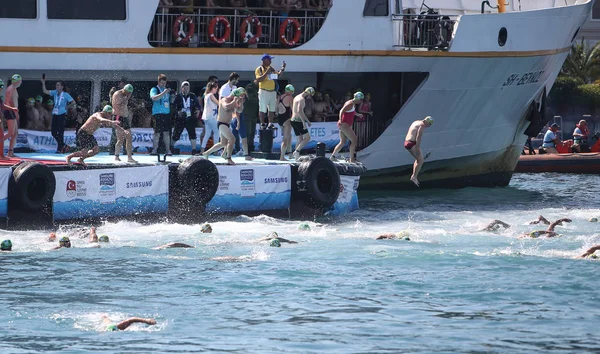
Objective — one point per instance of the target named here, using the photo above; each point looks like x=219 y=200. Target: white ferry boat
x=481 y=70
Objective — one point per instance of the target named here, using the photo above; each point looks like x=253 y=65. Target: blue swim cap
x=6 y=245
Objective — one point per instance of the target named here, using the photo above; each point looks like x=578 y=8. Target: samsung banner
x=348 y=199
x=252 y=188
x=111 y=192
x=42 y=141
x=4 y=178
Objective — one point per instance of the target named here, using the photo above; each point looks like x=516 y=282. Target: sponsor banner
x=348 y=199
x=252 y=187
x=111 y=192
x=42 y=141
x=5 y=174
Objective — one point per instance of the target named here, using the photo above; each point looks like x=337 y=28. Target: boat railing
x=273 y=24
x=430 y=31
x=367 y=131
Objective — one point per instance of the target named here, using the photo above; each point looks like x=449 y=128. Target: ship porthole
x=575 y=35
x=502 y=36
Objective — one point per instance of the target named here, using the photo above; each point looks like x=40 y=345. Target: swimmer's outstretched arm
x=493 y=224
x=281 y=239
x=385 y=236
x=173 y=245
x=590 y=251
x=557 y=222
x=540 y=219
x=128 y=322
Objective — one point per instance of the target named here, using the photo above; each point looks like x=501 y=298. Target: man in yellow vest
x=266 y=77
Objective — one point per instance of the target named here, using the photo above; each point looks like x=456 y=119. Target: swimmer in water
x=590 y=252
x=549 y=232
x=6 y=246
x=206 y=228
x=64 y=242
x=495 y=225
x=304 y=227
x=403 y=235
x=121 y=326
x=173 y=245
x=539 y=220
x=273 y=236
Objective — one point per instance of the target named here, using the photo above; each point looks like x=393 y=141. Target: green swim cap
x=16 y=77
x=128 y=88
x=239 y=91
x=1 y=82
x=107 y=109
x=6 y=245
x=103 y=238
x=304 y=227
x=593 y=256
x=429 y=120
x=593 y=220
x=39 y=98
x=50 y=102
x=64 y=240
x=31 y=100
x=310 y=91
x=206 y=228
x=290 y=88
x=275 y=243
x=112 y=328
x=534 y=234
x=359 y=96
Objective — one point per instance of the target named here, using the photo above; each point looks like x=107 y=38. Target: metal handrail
x=425 y=31
x=161 y=31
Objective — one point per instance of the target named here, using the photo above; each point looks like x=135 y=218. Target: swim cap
x=6 y=245
x=107 y=109
x=359 y=96
x=290 y=88
x=273 y=234
x=206 y=228
x=275 y=243
x=1 y=83
x=304 y=227
x=103 y=238
x=112 y=328
x=64 y=240
x=428 y=120
x=38 y=98
x=534 y=234
x=128 y=88
x=31 y=100
x=403 y=235
x=239 y=91
x=593 y=256
x=310 y=91
x=50 y=102
x=593 y=220
x=16 y=77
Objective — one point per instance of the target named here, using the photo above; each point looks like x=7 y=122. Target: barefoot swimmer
x=85 y=135
x=412 y=143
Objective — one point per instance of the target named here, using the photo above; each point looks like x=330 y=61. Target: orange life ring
x=283 y=30
x=213 y=25
x=179 y=35
x=251 y=37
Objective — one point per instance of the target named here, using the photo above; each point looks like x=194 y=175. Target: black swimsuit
x=282 y=118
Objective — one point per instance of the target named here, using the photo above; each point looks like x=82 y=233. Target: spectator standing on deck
x=120 y=100
x=44 y=114
x=266 y=77
x=161 y=114
x=251 y=114
x=209 y=116
x=188 y=111
x=59 y=112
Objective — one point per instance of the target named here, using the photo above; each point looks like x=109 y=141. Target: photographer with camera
x=161 y=114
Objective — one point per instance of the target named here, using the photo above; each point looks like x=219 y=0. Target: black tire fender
x=198 y=179
x=320 y=179
x=33 y=186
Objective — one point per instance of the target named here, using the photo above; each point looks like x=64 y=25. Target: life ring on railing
x=212 y=27
x=179 y=34
x=283 y=31
x=246 y=30
x=320 y=180
x=34 y=186
x=198 y=180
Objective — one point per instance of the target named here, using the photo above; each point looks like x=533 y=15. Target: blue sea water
x=451 y=289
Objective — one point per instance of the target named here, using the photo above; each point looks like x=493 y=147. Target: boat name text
x=523 y=79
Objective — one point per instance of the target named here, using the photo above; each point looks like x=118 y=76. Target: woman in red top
x=365 y=107
x=347 y=114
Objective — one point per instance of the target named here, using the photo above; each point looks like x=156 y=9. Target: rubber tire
x=320 y=172
x=198 y=180
x=34 y=186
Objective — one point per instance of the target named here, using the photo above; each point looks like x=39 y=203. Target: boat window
x=376 y=8
x=596 y=11
x=18 y=9
x=114 y=10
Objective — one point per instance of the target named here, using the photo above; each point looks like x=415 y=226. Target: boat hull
x=588 y=163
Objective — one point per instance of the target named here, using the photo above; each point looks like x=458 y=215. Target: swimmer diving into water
x=412 y=143
x=121 y=326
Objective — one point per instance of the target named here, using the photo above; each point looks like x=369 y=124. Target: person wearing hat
x=33 y=119
x=161 y=114
x=120 y=100
x=187 y=114
x=299 y=121
x=267 y=97
x=6 y=246
x=412 y=143
x=85 y=135
x=284 y=110
x=11 y=112
x=580 y=137
x=551 y=139
x=64 y=242
x=45 y=116
x=59 y=113
x=346 y=119
x=227 y=106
